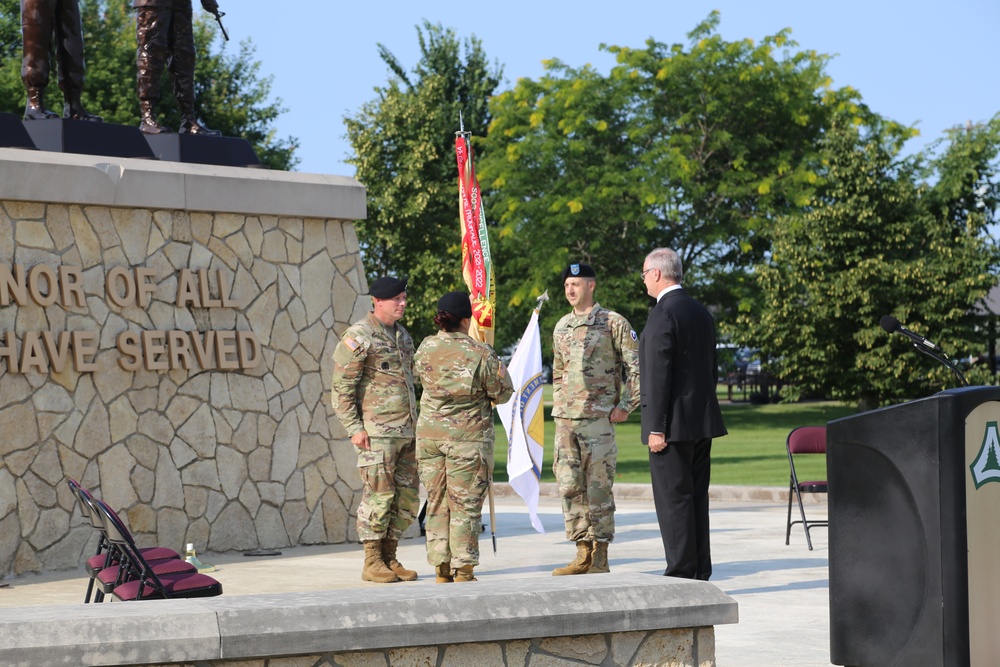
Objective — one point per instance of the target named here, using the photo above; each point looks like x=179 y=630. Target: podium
x=914 y=545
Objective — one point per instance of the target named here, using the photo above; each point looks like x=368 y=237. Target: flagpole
x=542 y=299
x=493 y=515
x=479 y=271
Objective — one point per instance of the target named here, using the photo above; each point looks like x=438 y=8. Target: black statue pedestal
x=200 y=149
x=63 y=135
x=13 y=134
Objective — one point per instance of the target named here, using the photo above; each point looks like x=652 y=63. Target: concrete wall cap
x=92 y=180
x=348 y=620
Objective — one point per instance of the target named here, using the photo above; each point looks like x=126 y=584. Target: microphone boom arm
x=941 y=358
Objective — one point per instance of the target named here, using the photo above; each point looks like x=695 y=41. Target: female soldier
x=462 y=379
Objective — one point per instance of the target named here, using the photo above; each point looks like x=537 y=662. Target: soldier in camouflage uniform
x=372 y=395
x=595 y=384
x=461 y=380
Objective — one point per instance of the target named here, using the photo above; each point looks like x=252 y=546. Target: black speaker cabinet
x=914 y=540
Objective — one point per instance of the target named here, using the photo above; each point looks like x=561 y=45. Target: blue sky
x=921 y=62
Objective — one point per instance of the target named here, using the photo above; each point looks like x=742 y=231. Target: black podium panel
x=63 y=135
x=193 y=148
x=898 y=537
x=13 y=134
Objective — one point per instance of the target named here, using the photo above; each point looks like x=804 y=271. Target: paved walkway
x=782 y=591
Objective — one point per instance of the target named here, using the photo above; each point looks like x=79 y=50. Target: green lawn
x=752 y=454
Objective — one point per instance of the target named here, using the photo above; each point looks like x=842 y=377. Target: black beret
x=456 y=303
x=387 y=287
x=578 y=271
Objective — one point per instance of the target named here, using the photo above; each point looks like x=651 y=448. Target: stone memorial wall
x=166 y=334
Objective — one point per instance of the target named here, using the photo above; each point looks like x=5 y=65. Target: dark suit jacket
x=678 y=372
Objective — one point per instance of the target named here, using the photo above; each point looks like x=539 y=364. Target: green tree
x=697 y=147
x=10 y=29
x=404 y=152
x=230 y=93
x=884 y=235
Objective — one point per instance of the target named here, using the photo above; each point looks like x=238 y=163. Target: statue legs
x=69 y=56
x=40 y=19
x=36 y=30
x=152 y=30
x=182 y=73
x=165 y=38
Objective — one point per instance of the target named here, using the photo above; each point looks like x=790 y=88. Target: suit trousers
x=680 y=475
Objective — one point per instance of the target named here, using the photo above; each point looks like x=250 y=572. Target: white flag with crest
x=523 y=419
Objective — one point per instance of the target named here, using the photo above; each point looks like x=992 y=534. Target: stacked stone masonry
x=682 y=647
x=227 y=459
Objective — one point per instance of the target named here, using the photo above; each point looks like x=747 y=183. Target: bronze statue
x=164 y=34
x=40 y=19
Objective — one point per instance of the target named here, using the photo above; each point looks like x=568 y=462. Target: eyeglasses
x=642 y=274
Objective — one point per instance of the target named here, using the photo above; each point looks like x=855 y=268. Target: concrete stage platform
x=782 y=591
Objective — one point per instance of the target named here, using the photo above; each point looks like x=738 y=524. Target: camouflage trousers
x=585 y=460
x=389 y=502
x=457 y=477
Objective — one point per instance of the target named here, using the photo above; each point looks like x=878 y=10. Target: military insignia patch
x=574 y=269
x=503 y=369
x=351 y=343
x=634 y=337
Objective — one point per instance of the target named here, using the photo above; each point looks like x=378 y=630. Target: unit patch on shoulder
x=634 y=337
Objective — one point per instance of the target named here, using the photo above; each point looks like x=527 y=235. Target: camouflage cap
x=578 y=271
x=387 y=287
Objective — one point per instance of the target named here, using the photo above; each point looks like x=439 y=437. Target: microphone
x=892 y=325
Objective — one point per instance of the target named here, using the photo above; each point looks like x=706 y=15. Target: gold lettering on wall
x=49 y=352
x=173 y=350
x=42 y=285
x=195 y=290
x=124 y=287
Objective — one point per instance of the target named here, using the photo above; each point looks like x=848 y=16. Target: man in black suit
x=680 y=413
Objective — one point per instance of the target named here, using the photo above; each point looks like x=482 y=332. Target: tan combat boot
x=375 y=570
x=600 y=563
x=444 y=575
x=389 y=558
x=464 y=573
x=579 y=565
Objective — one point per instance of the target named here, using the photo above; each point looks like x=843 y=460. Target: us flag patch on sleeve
x=351 y=343
x=503 y=369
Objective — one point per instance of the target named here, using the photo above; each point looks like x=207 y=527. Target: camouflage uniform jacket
x=462 y=379
x=592 y=354
x=372 y=386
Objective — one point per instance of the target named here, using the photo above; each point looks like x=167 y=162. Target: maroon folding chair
x=801 y=441
x=96 y=562
x=148 y=585
x=105 y=567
